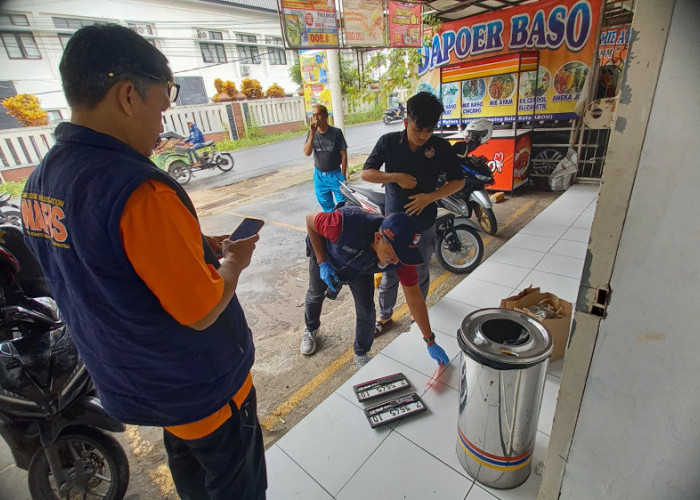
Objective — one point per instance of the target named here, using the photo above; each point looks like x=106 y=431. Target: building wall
x=637 y=431
x=176 y=24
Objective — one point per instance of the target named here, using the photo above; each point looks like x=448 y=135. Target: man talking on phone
x=328 y=145
x=348 y=246
x=152 y=312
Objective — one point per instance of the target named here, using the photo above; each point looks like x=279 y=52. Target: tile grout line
x=364 y=462
x=305 y=471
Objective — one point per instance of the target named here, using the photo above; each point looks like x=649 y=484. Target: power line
x=208 y=65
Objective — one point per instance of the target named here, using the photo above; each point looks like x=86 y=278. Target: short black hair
x=100 y=55
x=322 y=109
x=424 y=109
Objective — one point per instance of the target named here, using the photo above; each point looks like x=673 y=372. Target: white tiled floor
x=333 y=452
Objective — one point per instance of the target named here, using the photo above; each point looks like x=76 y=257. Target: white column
x=334 y=84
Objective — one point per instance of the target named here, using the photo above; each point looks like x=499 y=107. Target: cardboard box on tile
x=558 y=327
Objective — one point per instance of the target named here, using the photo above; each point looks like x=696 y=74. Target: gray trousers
x=389 y=287
x=362 y=289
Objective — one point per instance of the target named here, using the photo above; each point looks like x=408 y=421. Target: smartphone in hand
x=247 y=228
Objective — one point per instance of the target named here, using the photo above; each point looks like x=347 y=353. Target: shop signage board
x=612 y=53
x=310 y=23
x=364 y=23
x=562 y=32
x=404 y=24
x=314 y=74
x=613 y=46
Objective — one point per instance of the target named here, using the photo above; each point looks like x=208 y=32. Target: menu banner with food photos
x=562 y=32
x=310 y=23
x=363 y=23
x=404 y=24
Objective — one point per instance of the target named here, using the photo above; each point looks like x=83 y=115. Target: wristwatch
x=430 y=339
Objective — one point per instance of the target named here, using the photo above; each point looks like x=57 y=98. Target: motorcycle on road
x=172 y=158
x=50 y=415
x=458 y=248
x=393 y=114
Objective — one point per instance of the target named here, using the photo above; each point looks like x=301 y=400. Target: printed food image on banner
x=558 y=39
x=451 y=102
x=473 y=92
x=364 y=22
x=570 y=77
x=431 y=87
x=404 y=24
x=310 y=23
x=533 y=88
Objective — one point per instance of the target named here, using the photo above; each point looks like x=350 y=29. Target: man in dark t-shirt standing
x=413 y=160
x=330 y=158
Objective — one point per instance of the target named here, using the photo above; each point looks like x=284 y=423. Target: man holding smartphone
x=330 y=158
x=350 y=245
x=152 y=311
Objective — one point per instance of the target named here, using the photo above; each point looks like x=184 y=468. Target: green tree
x=295 y=72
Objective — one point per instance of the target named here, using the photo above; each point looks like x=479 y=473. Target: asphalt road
x=261 y=160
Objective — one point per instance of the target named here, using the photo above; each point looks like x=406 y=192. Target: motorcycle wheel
x=224 y=161
x=96 y=460
x=486 y=218
x=180 y=171
x=387 y=120
x=11 y=216
x=460 y=250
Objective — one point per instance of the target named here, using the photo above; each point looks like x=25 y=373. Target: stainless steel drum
x=503 y=369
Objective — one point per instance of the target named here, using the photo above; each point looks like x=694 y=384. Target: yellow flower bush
x=275 y=90
x=25 y=108
x=251 y=88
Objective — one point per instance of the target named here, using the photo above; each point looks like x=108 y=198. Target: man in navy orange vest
x=153 y=313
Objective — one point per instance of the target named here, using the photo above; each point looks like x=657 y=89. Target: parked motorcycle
x=9 y=212
x=458 y=248
x=49 y=413
x=173 y=158
x=393 y=114
x=473 y=198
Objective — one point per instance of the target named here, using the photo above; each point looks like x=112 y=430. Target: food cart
x=515 y=67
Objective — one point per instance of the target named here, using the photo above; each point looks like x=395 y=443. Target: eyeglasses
x=173 y=88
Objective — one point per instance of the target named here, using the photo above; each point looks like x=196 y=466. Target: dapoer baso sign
x=468 y=58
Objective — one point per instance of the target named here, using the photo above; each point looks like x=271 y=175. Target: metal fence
x=22 y=147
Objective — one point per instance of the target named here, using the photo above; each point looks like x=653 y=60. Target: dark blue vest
x=148 y=368
x=352 y=253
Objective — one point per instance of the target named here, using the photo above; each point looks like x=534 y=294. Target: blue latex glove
x=438 y=354
x=328 y=275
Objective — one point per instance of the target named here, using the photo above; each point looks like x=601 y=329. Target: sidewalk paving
x=333 y=452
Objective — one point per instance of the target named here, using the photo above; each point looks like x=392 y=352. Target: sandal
x=381 y=326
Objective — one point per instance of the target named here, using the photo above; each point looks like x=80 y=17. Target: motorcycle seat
x=376 y=197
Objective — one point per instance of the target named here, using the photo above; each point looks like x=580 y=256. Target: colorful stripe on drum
x=494 y=461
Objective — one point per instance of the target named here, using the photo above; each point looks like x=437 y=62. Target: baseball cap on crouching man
x=403 y=234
